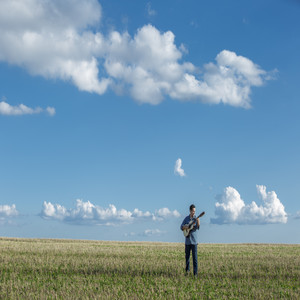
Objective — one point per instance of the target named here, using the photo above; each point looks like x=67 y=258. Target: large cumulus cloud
x=231 y=208
x=59 y=39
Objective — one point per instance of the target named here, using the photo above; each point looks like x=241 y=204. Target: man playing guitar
x=189 y=226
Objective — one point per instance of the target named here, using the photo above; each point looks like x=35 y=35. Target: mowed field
x=75 y=269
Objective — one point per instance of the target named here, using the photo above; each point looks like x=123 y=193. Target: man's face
x=192 y=212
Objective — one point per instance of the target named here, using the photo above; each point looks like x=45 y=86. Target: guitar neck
x=192 y=221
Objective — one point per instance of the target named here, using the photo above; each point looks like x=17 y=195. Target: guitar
x=191 y=225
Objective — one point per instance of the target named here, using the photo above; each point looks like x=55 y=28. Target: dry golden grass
x=74 y=269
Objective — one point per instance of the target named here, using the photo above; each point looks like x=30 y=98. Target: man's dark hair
x=192 y=206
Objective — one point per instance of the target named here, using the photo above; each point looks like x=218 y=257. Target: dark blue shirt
x=191 y=239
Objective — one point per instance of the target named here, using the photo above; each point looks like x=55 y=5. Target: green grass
x=73 y=269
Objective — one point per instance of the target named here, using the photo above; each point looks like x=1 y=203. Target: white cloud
x=58 y=39
x=229 y=81
x=164 y=213
x=88 y=213
x=231 y=208
x=7 y=212
x=153 y=232
x=150 y=11
x=177 y=169
x=21 y=109
x=50 y=38
x=297 y=215
x=130 y=234
x=55 y=211
x=146 y=233
x=51 y=111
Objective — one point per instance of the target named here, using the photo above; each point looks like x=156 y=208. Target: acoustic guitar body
x=187 y=231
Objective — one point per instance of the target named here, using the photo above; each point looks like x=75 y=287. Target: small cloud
x=21 y=109
x=51 y=111
x=297 y=215
x=150 y=11
x=231 y=208
x=130 y=234
x=194 y=24
x=54 y=211
x=177 y=169
x=164 y=213
x=89 y=214
x=183 y=49
x=272 y=75
x=146 y=233
x=153 y=232
x=7 y=212
x=9 y=110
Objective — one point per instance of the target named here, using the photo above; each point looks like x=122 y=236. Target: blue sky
x=115 y=116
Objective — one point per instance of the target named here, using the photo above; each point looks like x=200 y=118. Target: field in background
x=74 y=269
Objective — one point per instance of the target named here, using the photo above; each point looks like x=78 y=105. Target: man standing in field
x=191 y=239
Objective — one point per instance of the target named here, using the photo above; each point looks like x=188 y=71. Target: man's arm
x=184 y=225
x=198 y=223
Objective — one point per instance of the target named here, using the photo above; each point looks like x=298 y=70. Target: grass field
x=74 y=269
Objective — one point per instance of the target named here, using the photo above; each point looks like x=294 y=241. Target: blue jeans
x=188 y=249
